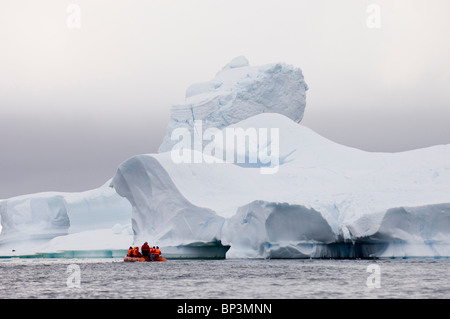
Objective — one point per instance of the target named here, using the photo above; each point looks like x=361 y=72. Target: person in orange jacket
x=130 y=252
x=145 y=250
x=136 y=252
x=152 y=253
x=157 y=252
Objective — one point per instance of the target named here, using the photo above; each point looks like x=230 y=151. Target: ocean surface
x=229 y=278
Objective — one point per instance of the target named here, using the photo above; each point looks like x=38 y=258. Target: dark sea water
x=230 y=278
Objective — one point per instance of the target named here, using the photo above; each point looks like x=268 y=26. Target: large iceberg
x=320 y=200
x=325 y=200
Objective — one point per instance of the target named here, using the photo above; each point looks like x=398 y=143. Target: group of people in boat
x=146 y=251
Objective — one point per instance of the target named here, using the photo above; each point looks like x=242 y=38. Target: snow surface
x=324 y=199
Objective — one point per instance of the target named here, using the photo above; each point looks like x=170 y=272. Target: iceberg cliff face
x=412 y=231
x=238 y=92
x=29 y=222
x=40 y=216
x=264 y=229
x=160 y=213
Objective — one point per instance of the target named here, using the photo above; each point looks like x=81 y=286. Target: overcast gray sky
x=76 y=102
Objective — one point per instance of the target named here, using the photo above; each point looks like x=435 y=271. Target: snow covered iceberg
x=52 y=222
x=324 y=200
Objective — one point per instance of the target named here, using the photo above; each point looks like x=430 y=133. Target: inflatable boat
x=147 y=259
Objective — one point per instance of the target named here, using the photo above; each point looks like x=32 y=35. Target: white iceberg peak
x=237 y=62
x=237 y=92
